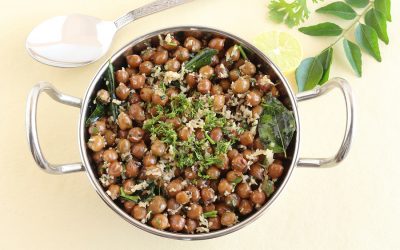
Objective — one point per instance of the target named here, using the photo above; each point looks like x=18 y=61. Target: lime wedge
x=282 y=48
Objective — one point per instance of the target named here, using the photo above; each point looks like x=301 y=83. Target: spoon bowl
x=76 y=40
x=70 y=41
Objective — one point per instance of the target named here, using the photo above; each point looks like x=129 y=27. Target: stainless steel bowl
x=289 y=98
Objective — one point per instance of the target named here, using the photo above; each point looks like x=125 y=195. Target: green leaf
x=322 y=29
x=134 y=198
x=377 y=20
x=309 y=73
x=326 y=61
x=367 y=38
x=200 y=59
x=292 y=13
x=384 y=7
x=97 y=113
x=268 y=187
x=353 y=54
x=110 y=82
x=358 y=3
x=210 y=214
x=276 y=126
x=339 y=9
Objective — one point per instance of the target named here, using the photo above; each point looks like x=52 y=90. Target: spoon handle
x=146 y=10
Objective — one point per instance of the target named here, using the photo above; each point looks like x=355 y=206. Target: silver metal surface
x=344 y=86
x=31 y=126
x=146 y=10
x=118 y=56
x=92 y=175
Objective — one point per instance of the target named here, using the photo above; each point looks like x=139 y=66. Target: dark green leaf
x=200 y=59
x=322 y=29
x=377 y=20
x=210 y=214
x=384 y=7
x=110 y=82
x=309 y=73
x=134 y=198
x=368 y=39
x=97 y=113
x=358 y=3
x=326 y=61
x=339 y=9
x=276 y=126
x=268 y=187
x=353 y=54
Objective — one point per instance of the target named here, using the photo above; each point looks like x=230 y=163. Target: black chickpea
x=103 y=96
x=135 y=134
x=206 y=71
x=243 y=190
x=245 y=207
x=113 y=191
x=207 y=195
x=216 y=43
x=160 y=221
x=139 y=212
x=194 y=193
x=132 y=169
x=228 y=219
x=216 y=134
x=216 y=89
x=257 y=171
x=157 y=205
x=110 y=155
x=275 y=170
x=172 y=65
x=240 y=86
x=184 y=133
x=191 y=80
x=224 y=187
x=137 y=81
x=134 y=61
x=124 y=146
x=160 y=57
x=96 y=143
x=248 y=68
x=213 y=172
x=239 y=163
x=115 y=169
x=146 y=94
x=146 y=67
x=246 y=138
x=136 y=113
x=234 y=74
x=149 y=160
x=218 y=102
x=182 y=54
x=258 y=197
x=182 y=197
x=176 y=222
x=139 y=149
x=122 y=91
x=128 y=206
x=97 y=128
x=253 y=98
x=128 y=185
x=192 y=44
x=121 y=76
x=195 y=211
x=204 y=86
x=158 y=148
x=124 y=122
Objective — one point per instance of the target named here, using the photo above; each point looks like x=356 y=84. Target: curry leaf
x=377 y=20
x=134 y=198
x=276 y=126
x=339 y=9
x=110 y=82
x=97 y=113
x=353 y=54
x=309 y=73
x=210 y=214
x=384 y=7
x=200 y=59
x=368 y=39
x=326 y=61
x=358 y=3
x=322 y=29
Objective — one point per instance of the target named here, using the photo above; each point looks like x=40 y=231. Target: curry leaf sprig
x=292 y=13
x=315 y=71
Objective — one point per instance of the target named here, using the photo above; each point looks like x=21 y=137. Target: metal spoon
x=76 y=40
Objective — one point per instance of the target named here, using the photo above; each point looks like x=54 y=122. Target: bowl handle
x=31 y=127
x=344 y=86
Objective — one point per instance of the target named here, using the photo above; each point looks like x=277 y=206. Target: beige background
x=353 y=206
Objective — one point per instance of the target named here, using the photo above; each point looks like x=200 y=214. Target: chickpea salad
x=189 y=136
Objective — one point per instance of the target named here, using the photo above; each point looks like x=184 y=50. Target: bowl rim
x=99 y=189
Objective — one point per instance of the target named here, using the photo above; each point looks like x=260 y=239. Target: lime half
x=282 y=48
